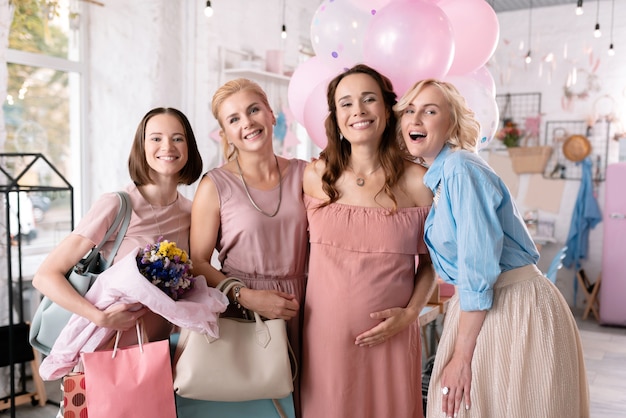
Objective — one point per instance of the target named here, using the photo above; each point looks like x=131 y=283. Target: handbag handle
x=123 y=217
x=263 y=336
x=262 y=331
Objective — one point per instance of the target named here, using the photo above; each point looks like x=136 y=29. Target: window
x=42 y=108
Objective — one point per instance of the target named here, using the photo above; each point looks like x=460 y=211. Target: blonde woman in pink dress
x=250 y=210
x=366 y=206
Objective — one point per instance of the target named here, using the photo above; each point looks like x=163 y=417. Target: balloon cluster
x=407 y=40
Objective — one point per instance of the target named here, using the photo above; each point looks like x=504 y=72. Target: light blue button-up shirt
x=474 y=231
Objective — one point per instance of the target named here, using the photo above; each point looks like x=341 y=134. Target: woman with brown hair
x=366 y=206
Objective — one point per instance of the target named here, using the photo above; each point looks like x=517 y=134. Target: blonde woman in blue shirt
x=510 y=346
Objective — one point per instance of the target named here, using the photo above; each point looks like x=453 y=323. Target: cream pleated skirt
x=528 y=360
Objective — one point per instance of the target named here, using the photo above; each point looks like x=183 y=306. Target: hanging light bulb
x=528 y=58
x=596 y=32
x=283 y=29
x=579 y=8
x=611 y=50
x=208 y=10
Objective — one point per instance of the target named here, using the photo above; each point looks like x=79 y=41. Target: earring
x=341 y=138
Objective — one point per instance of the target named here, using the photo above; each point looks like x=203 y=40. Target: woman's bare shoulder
x=414 y=183
x=312 y=180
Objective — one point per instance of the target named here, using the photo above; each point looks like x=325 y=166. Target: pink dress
x=266 y=253
x=147 y=222
x=362 y=260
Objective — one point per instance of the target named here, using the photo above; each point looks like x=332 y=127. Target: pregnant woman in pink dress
x=366 y=207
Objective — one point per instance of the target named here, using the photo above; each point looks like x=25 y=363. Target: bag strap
x=279 y=408
x=123 y=217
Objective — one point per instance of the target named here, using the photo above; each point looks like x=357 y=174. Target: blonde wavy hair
x=464 y=128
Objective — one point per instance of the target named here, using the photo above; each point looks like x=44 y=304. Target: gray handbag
x=50 y=318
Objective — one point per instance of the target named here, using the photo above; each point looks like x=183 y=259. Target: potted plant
x=510 y=134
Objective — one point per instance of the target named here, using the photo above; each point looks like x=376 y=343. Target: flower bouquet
x=185 y=301
x=167 y=267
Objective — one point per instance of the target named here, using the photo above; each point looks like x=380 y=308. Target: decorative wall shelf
x=254 y=74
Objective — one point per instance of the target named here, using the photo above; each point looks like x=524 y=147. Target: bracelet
x=236 y=292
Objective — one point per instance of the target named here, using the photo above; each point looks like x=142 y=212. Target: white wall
x=149 y=53
x=569 y=38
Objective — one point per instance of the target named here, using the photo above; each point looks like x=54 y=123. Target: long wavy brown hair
x=337 y=152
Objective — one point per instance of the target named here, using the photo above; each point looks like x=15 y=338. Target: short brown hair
x=138 y=165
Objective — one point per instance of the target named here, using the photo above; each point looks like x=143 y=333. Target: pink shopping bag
x=130 y=382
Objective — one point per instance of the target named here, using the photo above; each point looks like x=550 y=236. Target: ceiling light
x=283 y=29
x=611 y=50
x=528 y=59
x=596 y=32
x=208 y=10
x=579 y=8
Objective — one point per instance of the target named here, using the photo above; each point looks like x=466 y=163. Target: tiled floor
x=605 y=357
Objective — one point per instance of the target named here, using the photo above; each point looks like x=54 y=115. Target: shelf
x=255 y=74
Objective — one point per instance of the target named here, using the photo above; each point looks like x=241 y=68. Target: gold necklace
x=360 y=181
x=280 y=189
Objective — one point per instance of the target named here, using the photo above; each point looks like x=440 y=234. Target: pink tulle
x=197 y=310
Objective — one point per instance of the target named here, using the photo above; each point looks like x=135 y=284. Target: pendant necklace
x=280 y=189
x=156 y=220
x=360 y=181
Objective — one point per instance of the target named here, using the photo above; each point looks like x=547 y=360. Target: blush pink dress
x=147 y=222
x=266 y=253
x=362 y=260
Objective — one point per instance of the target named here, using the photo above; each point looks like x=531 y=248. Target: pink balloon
x=476 y=33
x=409 y=40
x=304 y=79
x=338 y=29
x=315 y=112
x=482 y=102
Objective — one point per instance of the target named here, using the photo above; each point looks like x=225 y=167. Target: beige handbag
x=250 y=360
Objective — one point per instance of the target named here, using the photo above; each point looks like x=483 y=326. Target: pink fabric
x=362 y=260
x=266 y=253
x=146 y=224
x=197 y=310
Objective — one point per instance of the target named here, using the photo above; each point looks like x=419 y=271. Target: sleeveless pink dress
x=266 y=253
x=362 y=260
